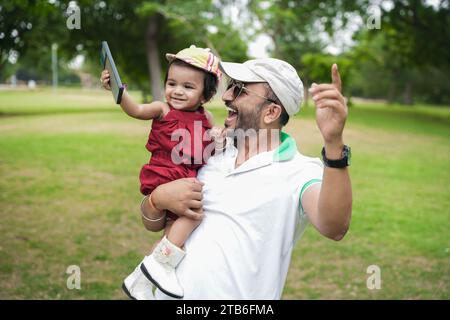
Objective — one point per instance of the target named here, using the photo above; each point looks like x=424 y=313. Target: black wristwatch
x=340 y=163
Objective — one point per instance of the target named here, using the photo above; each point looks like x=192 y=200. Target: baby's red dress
x=188 y=148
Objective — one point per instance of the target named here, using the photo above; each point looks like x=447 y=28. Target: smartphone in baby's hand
x=107 y=62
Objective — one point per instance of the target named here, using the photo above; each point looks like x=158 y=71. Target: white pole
x=55 y=66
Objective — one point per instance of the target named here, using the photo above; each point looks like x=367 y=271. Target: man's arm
x=329 y=205
x=182 y=197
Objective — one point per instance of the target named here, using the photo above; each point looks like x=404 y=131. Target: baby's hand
x=105 y=80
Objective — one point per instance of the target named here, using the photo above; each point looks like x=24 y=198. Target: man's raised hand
x=331 y=109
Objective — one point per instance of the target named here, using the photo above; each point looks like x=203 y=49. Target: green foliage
x=379 y=72
x=149 y=9
x=416 y=31
x=179 y=24
x=317 y=67
x=229 y=45
x=26 y=26
x=125 y=26
x=294 y=26
x=406 y=60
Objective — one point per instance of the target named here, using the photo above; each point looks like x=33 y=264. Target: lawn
x=69 y=195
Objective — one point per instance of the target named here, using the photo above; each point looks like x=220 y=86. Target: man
x=255 y=205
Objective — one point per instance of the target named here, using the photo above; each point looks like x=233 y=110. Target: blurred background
x=70 y=158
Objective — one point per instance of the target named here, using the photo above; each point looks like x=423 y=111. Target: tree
x=317 y=66
x=295 y=26
x=191 y=16
x=142 y=31
x=24 y=27
x=138 y=33
x=407 y=55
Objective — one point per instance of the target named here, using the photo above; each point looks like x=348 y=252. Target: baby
x=191 y=81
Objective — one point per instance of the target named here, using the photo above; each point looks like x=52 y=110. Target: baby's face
x=184 y=87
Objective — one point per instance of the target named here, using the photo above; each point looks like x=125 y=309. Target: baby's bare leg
x=181 y=230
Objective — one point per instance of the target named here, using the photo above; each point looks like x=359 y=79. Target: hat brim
x=239 y=72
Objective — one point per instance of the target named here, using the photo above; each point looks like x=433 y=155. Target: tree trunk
x=154 y=66
x=2 y=61
x=391 y=94
x=306 y=92
x=408 y=99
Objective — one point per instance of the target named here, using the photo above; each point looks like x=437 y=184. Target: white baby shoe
x=137 y=286
x=159 y=268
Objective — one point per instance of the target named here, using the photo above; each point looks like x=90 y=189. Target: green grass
x=69 y=165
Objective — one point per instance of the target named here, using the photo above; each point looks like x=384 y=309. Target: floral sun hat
x=199 y=58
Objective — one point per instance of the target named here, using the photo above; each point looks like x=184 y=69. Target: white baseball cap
x=280 y=75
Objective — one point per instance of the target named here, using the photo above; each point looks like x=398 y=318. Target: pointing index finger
x=336 y=77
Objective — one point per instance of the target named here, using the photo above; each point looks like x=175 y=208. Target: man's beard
x=249 y=119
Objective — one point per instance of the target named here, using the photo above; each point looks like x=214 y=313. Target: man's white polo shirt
x=253 y=217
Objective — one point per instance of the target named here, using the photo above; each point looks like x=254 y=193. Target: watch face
x=341 y=163
x=348 y=153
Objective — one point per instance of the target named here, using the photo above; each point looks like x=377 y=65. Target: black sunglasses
x=239 y=86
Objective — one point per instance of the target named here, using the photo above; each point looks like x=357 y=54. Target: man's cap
x=199 y=58
x=280 y=75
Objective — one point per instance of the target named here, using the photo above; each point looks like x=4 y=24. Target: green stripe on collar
x=287 y=149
